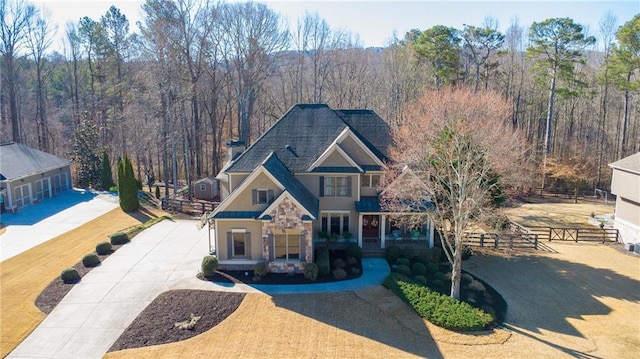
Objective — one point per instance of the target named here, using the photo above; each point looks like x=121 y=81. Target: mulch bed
x=57 y=289
x=157 y=322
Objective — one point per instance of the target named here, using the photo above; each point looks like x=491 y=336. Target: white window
x=238 y=244
x=335 y=186
x=286 y=246
x=335 y=223
x=262 y=196
x=22 y=195
x=59 y=183
x=370 y=181
x=43 y=189
x=203 y=187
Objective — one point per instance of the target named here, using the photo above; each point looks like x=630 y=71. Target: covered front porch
x=379 y=230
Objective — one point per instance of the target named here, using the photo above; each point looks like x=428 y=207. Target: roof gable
x=629 y=163
x=17 y=160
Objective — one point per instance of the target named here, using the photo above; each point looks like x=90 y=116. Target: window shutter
x=303 y=247
x=247 y=245
x=270 y=196
x=229 y=245
x=321 y=191
x=254 y=196
x=272 y=254
x=348 y=186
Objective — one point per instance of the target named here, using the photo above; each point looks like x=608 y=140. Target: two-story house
x=316 y=170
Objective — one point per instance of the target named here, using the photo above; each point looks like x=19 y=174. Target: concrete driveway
x=50 y=218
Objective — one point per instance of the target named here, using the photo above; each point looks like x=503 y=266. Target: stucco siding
x=236 y=179
x=335 y=159
x=245 y=201
x=628 y=211
x=33 y=188
x=251 y=226
x=355 y=151
x=626 y=184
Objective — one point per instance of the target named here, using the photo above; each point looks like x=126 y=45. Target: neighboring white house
x=625 y=184
x=28 y=175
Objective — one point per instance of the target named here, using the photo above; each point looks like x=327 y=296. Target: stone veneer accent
x=287 y=216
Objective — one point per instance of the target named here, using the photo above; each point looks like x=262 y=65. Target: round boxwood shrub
x=437 y=283
x=209 y=265
x=403 y=261
x=436 y=254
x=355 y=270
x=418 y=269
x=352 y=261
x=119 y=238
x=339 y=263
x=322 y=260
x=391 y=253
x=354 y=251
x=339 y=274
x=90 y=260
x=420 y=279
x=103 y=248
x=408 y=252
x=70 y=275
x=404 y=269
x=311 y=271
x=431 y=267
x=260 y=270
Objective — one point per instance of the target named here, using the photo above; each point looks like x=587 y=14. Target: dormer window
x=262 y=196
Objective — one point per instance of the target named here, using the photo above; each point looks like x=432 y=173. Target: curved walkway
x=166 y=256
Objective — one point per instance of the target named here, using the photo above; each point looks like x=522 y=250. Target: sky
x=376 y=21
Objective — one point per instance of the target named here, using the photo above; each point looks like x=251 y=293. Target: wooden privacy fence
x=502 y=241
x=176 y=205
x=585 y=234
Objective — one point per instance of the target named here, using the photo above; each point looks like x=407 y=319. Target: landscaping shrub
x=441 y=310
x=355 y=270
x=157 y=192
x=408 y=252
x=431 y=267
x=436 y=254
x=339 y=263
x=354 y=251
x=311 y=271
x=466 y=277
x=403 y=261
x=90 y=260
x=352 y=261
x=339 y=274
x=422 y=256
x=127 y=186
x=477 y=286
x=391 y=253
x=420 y=279
x=418 y=269
x=103 y=248
x=119 y=238
x=439 y=276
x=437 y=283
x=322 y=260
x=404 y=269
x=209 y=265
x=260 y=270
x=70 y=275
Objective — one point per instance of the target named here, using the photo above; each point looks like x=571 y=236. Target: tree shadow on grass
x=544 y=292
x=348 y=312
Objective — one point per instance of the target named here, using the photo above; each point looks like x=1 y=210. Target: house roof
x=273 y=164
x=302 y=135
x=17 y=160
x=629 y=163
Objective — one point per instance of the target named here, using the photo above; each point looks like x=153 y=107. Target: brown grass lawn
x=556 y=213
x=24 y=276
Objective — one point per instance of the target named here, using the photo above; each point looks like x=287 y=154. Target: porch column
x=360 y=230
x=383 y=230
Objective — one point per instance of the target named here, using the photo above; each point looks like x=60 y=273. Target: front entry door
x=371 y=226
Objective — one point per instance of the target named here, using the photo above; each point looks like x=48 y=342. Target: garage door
x=22 y=195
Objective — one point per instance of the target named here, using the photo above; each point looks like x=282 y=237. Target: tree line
x=201 y=73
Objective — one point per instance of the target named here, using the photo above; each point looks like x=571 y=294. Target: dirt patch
x=157 y=323
x=558 y=213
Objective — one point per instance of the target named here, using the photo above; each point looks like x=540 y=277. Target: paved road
x=38 y=223
x=164 y=257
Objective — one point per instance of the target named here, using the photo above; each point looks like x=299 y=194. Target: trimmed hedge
x=418 y=269
x=392 y=253
x=70 y=275
x=103 y=248
x=439 y=309
x=260 y=270
x=353 y=250
x=209 y=265
x=322 y=260
x=311 y=271
x=90 y=260
x=404 y=269
x=119 y=238
x=339 y=274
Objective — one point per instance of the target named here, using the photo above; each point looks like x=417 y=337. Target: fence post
x=535 y=241
x=495 y=245
x=577 y=234
x=482 y=240
x=550 y=232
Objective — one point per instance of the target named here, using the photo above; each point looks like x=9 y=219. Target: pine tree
x=107 y=175
x=127 y=191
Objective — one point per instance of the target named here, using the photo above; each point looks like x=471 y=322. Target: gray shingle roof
x=306 y=131
x=17 y=160
x=629 y=163
x=273 y=164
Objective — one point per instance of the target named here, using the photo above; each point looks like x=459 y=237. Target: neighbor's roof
x=17 y=160
x=630 y=164
x=303 y=133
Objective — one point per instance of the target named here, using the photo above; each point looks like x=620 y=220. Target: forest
x=199 y=73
